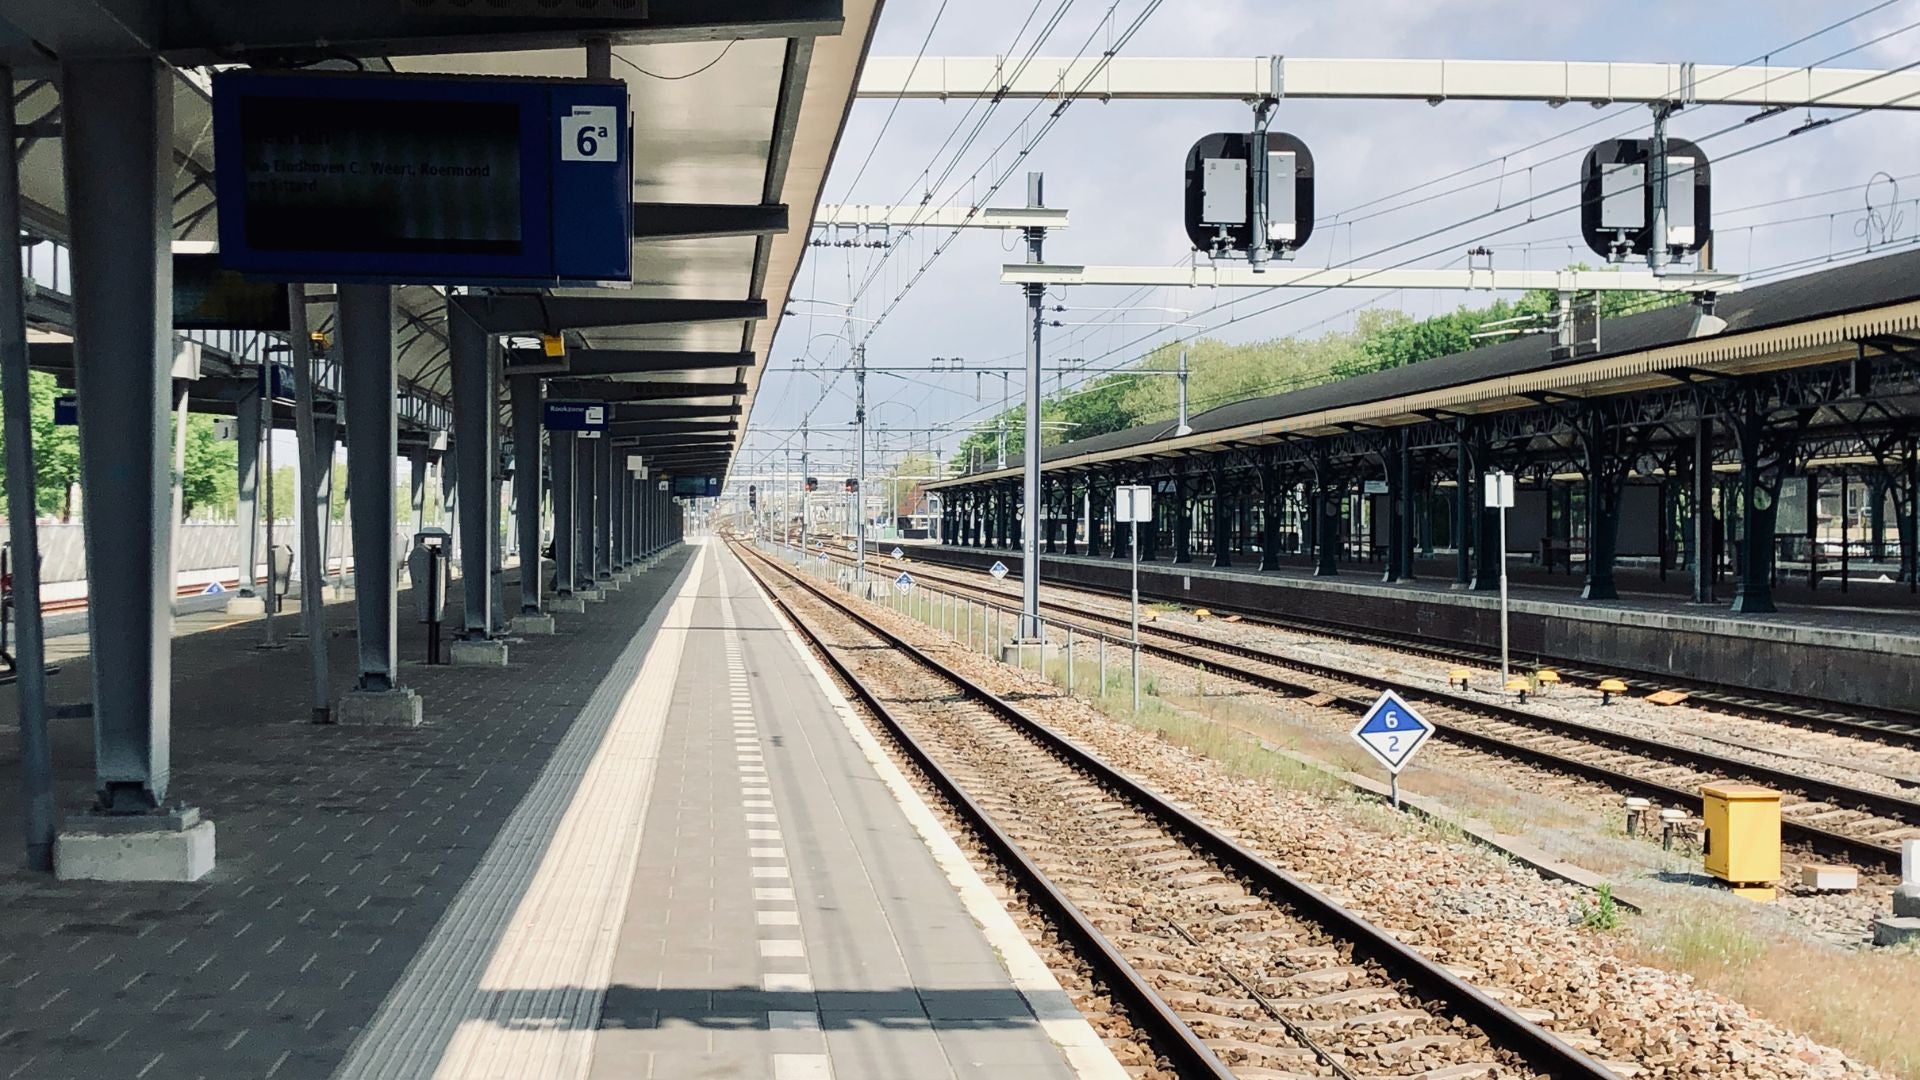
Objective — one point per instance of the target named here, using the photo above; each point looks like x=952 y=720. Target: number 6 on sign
x=1392 y=732
x=587 y=134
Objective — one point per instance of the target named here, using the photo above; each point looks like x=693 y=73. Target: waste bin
x=427 y=572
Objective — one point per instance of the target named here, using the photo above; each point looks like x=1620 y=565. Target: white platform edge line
x=1085 y=1053
x=414 y=1026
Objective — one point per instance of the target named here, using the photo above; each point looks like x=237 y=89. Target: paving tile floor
x=338 y=849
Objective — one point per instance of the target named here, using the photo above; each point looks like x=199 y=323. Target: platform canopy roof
x=738 y=106
x=1810 y=319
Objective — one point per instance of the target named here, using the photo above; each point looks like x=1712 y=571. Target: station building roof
x=1812 y=318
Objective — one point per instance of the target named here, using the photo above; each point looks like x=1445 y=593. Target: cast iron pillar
x=1705 y=552
x=1327 y=509
x=565 y=561
x=1222 y=516
x=602 y=510
x=1463 y=496
x=1269 y=516
x=1761 y=470
x=1606 y=476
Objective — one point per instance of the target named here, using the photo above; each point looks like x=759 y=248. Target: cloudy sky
x=1117 y=168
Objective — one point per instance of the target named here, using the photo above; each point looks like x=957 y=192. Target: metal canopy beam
x=640 y=361
x=672 y=427
x=590 y=390
x=672 y=412
x=1201 y=276
x=203 y=33
x=945 y=217
x=1238 y=79
x=516 y=314
x=699 y=221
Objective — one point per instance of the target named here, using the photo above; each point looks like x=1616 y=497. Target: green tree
x=211 y=479
x=56 y=450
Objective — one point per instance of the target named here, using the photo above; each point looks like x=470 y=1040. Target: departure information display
x=430 y=179
x=395 y=176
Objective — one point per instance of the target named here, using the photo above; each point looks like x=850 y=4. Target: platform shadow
x=746 y=1008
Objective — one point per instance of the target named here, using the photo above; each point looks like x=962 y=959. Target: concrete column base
x=246 y=605
x=1014 y=652
x=177 y=846
x=592 y=594
x=399 y=707
x=566 y=605
x=531 y=625
x=1906 y=901
x=484 y=653
x=1898 y=930
x=608 y=584
x=622 y=576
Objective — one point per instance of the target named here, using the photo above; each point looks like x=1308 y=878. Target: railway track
x=1231 y=965
x=1902 y=728
x=1823 y=815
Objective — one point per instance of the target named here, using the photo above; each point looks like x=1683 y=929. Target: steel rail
x=1815 y=713
x=1540 y=1048
x=1863 y=851
x=1144 y=1004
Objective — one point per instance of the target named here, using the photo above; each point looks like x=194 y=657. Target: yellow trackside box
x=1742 y=838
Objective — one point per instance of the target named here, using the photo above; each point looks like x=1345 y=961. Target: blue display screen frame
x=576 y=219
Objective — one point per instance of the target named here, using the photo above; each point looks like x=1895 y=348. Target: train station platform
x=656 y=844
x=1833 y=652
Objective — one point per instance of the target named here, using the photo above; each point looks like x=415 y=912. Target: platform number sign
x=903 y=584
x=998 y=570
x=589 y=133
x=1392 y=732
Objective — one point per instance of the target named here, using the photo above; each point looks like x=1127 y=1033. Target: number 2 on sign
x=1393 y=744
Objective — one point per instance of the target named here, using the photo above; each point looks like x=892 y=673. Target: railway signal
x=1243 y=202
x=1392 y=732
x=1624 y=190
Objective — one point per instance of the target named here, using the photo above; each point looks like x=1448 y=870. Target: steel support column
x=117 y=138
x=366 y=346
x=326 y=439
x=565 y=561
x=417 y=486
x=584 y=535
x=474 y=409
x=528 y=466
x=38 y=817
x=1405 y=514
x=246 y=430
x=617 y=491
x=602 y=510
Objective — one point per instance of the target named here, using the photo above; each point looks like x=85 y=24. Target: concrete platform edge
x=1069 y=1029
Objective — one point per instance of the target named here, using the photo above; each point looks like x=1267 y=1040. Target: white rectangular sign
x=1133 y=502
x=1499 y=490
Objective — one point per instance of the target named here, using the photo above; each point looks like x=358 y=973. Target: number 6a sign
x=588 y=134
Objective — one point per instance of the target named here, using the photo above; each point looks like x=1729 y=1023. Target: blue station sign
x=374 y=177
x=586 y=417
